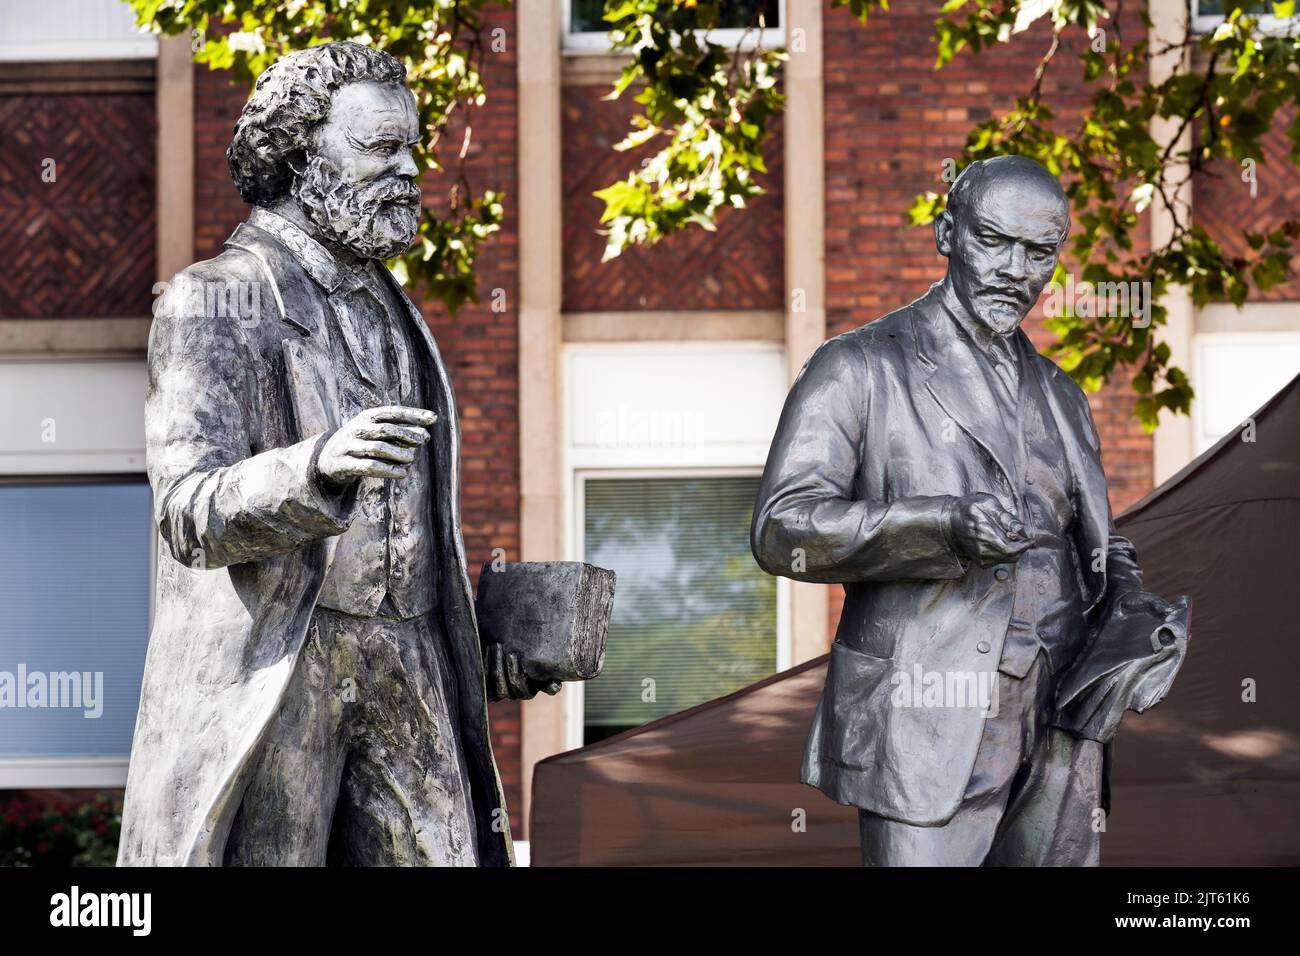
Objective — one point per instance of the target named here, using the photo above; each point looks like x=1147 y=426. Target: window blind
x=74 y=599
x=694 y=617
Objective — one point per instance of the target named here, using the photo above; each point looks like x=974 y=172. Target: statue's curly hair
x=289 y=101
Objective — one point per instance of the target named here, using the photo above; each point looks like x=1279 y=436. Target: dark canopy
x=1207 y=777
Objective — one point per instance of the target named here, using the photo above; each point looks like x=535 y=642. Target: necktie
x=1004 y=363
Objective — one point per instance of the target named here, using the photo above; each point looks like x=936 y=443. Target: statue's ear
x=943 y=233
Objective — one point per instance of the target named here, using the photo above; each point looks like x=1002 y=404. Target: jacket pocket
x=855 y=706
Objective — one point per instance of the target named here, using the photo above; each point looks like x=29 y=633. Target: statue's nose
x=1013 y=267
x=406 y=166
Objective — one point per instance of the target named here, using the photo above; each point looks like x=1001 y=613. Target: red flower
x=56 y=828
x=42 y=846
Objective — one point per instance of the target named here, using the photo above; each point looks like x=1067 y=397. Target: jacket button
x=983 y=647
x=1002 y=574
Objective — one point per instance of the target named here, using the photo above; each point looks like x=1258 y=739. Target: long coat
x=241 y=399
x=884 y=428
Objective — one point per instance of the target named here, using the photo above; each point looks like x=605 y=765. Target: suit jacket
x=884 y=428
x=241 y=399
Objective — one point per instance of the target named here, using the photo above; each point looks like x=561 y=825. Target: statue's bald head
x=1004 y=179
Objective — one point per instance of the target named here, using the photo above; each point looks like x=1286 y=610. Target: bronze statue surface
x=950 y=478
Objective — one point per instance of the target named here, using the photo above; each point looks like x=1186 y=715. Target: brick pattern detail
x=740 y=266
x=1223 y=204
x=83 y=245
x=479 y=344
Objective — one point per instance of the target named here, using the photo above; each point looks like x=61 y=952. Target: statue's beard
x=376 y=220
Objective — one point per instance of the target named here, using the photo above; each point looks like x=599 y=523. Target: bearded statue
x=315 y=690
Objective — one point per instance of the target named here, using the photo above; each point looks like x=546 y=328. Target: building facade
x=614 y=412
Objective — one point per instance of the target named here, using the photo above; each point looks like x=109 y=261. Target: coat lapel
x=308 y=369
x=309 y=373
x=313 y=390
x=957 y=382
x=442 y=398
x=494 y=846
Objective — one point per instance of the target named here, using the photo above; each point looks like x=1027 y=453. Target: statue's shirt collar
x=326 y=268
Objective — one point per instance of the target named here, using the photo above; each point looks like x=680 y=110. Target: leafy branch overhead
x=705 y=110
x=442 y=44
x=1240 y=82
x=707 y=106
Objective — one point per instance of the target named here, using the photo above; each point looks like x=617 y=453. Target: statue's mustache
x=397 y=190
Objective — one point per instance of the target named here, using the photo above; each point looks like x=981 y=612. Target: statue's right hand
x=987 y=532
x=377 y=443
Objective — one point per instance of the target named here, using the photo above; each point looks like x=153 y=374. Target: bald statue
x=948 y=476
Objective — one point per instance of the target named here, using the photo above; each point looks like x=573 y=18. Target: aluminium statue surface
x=314 y=690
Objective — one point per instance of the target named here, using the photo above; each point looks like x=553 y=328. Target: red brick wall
x=1223 y=203
x=740 y=266
x=218 y=99
x=891 y=120
x=479 y=345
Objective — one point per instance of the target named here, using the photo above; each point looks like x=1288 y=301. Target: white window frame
x=597 y=42
x=743 y=459
x=1202 y=440
x=140 y=45
x=1269 y=25
x=60 y=373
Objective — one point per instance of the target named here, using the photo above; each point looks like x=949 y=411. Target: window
x=72 y=30
x=1208 y=14
x=586 y=28
x=1236 y=373
x=665 y=443
x=75 y=569
x=694 y=616
x=74 y=586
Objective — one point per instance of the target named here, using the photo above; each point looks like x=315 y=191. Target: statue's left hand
x=506 y=679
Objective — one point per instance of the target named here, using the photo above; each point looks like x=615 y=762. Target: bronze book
x=553 y=614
